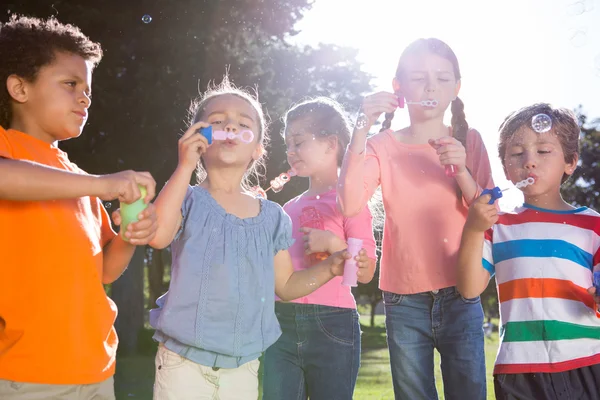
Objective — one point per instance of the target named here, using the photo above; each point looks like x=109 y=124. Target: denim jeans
x=444 y=320
x=317 y=355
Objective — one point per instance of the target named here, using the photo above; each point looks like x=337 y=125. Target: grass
x=135 y=374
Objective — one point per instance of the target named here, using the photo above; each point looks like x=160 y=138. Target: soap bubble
x=578 y=37
x=541 y=123
x=576 y=8
x=146 y=19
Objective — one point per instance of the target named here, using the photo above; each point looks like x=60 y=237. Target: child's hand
x=124 y=186
x=451 y=152
x=339 y=258
x=363 y=262
x=141 y=232
x=320 y=241
x=376 y=104
x=192 y=145
x=481 y=214
x=337 y=261
x=592 y=290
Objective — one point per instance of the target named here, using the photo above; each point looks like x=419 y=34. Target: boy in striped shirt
x=543 y=254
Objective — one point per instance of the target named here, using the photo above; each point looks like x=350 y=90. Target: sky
x=512 y=53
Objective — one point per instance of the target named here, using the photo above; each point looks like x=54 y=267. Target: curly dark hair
x=27 y=44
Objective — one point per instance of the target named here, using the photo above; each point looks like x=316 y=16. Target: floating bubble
x=318 y=197
x=578 y=37
x=107 y=205
x=576 y=8
x=541 y=123
x=146 y=19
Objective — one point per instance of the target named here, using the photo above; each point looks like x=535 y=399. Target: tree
x=151 y=71
x=583 y=188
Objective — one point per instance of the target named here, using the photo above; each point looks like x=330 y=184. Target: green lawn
x=135 y=374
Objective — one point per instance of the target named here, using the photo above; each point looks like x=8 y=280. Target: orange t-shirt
x=59 y=321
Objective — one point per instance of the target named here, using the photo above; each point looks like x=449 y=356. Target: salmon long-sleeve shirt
x=424 y=217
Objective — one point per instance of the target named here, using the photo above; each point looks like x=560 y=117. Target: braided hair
x=459 y=123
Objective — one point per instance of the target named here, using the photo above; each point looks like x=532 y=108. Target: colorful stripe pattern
x=543 y=261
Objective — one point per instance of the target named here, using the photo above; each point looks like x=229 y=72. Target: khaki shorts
x=10 y=390
x=178 y=378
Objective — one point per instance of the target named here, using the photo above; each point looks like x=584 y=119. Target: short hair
x=27 y=44
x=564 y=126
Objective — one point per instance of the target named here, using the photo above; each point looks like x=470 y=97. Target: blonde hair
x=257 y=168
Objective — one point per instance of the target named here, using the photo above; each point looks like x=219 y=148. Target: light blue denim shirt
x=219 y=310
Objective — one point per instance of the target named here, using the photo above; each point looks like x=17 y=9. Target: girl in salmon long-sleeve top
x=429 y=173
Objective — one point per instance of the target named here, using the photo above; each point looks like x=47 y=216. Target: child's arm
x=473 y=278
x=118 y=252
x=359 y=176
x=474 y=172
x=290 y=285
x=168 y=204
x=28 y=181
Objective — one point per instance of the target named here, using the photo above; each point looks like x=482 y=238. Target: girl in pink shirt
x=426 y=205
x=318 y=353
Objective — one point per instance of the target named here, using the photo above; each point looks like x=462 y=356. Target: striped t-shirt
x=543 y=261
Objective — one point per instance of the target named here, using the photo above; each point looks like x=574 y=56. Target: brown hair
x=564 y=126
x=28 y=44
x=256 y=168
x=435 y=46
x=325 y=117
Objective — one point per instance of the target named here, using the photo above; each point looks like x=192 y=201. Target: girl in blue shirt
x=229 y=258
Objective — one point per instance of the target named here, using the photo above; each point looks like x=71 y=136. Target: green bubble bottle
x=130 y=212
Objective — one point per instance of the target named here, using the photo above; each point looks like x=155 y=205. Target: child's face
x=428 y=76
x=537 y=155
x=231 y=113
x=56 y=103
x=307 y=153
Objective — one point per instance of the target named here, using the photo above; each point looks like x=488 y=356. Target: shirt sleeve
x=487 y=259
x=361 y=227
x=478 y=164
x=108 y=233
x=359 y=178
x=185 y=210
x=282 y=234
x=5 y=148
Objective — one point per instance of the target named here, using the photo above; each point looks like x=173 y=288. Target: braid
x=387 y=122
x=459 y=128
x=459 y=122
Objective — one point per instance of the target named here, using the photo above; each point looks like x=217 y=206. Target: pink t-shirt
x=424 y=217
x=322 y=212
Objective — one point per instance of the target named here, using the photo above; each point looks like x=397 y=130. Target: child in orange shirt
x=57 y=247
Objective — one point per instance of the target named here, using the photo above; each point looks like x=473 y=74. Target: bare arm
x=290 y=285
x=472 y=278
x=168 y=204
x=168 y=208
x=117 y=255
x=359 y=175
x=118 y=252
x=28 y=181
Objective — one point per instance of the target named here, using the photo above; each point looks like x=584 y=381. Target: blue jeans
x=317 y=355
x=444 y=320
